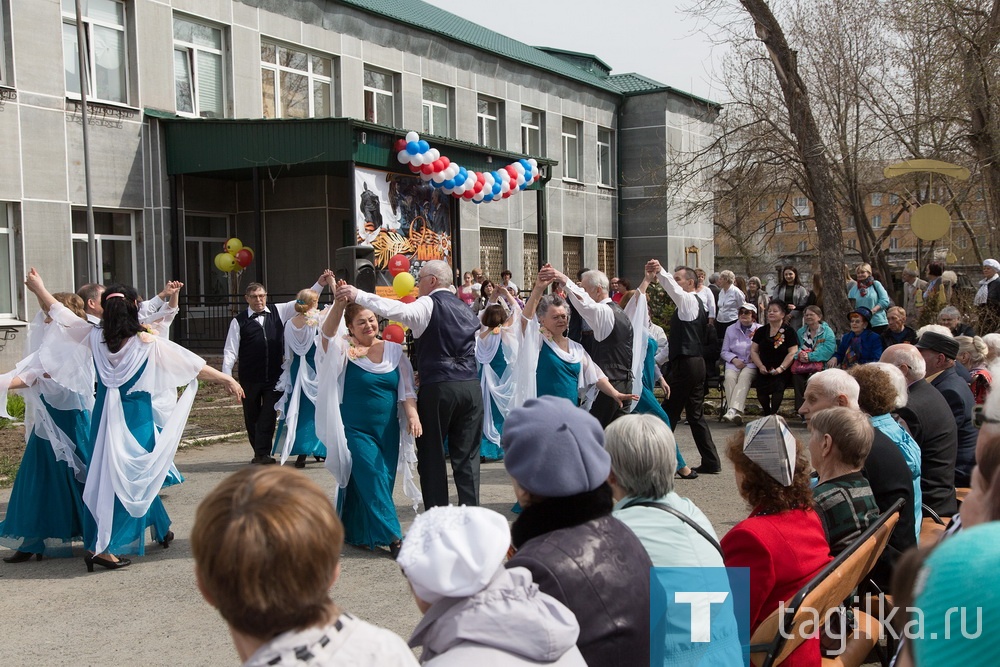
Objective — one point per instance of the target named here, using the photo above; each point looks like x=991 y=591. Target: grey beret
x=554 y=449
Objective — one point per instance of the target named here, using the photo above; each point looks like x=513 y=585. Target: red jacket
x=783 y=551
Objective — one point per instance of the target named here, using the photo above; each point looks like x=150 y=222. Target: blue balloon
x=522 y=186
x=423 y=146
x=487 y=197
x=496 y=188
x=435 y=183
x=412 y=148
x=449 y=183
x=460 y=179
x=463 y=171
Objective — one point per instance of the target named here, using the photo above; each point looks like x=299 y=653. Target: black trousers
x=259 y=416
x=452 y=410
x=771 y=391
x=687 y=393
x=605 y=409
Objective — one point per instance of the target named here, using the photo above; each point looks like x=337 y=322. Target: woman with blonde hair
x=295 y=434
x=869 y=293
x=973 y=354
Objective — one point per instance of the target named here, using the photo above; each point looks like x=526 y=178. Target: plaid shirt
x=846 y=508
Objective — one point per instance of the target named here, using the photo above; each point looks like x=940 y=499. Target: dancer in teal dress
x=496 y=350
x=133 y=437
x=45 y=512
x=363 y=380
x=296 y=431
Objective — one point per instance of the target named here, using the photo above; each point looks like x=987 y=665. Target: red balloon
x=398 y=264
x=244 y=257
x=409 y=298
x=480 y=177
x=415 y=168
x=513 y=172
x=394 y=334
x=469 y=194
x=445 y=161
x=438 y=165
x=479 y=186
x=427 y=169
x=399 y=146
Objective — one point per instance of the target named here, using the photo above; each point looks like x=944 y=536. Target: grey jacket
x=510 y=622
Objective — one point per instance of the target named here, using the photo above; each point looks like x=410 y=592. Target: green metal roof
x=637 y=84
x=436 y=20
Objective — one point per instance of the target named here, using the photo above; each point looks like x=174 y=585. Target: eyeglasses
x=979 y=417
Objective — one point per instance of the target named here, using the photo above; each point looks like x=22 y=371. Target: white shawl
x=526 y=366
x=638 y=314
x=298 y=342
x=497 y=390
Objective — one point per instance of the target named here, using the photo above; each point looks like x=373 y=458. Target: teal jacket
x=824 y=343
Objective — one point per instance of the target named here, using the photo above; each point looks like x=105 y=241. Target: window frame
x=69 y=18
x=877 y=221
x=607 y=179
x=428 y=106
x=6 y=76
x=194 y=264
x=571 y=145
x=192 y=51
x=877 y=199
x=311 y=77
x=528 y=130
x=483 y=119
x=375 y=92
x=98 y=238
x=9 y=229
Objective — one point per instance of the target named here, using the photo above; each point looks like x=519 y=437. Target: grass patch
x=8 y=469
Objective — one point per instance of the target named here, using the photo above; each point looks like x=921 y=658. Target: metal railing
x=203 y=320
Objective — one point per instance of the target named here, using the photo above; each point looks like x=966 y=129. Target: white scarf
x=298 y=342
x=982 y=294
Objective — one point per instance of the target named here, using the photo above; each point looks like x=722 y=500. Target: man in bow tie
x=256 y=340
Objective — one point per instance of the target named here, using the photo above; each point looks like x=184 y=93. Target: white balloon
x=534 y=164
x=412 y=137
x=479 y=195
x=403 y=156
x=438 y=177
x=505 y=187
x=453 y=170
x=426 y=177
x=518 y=167
x=520 y=179
x=435 y=153
x=488 y=178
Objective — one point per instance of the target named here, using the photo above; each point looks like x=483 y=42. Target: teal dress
x=306 y=443
x=556 y=377
x=45 y=513
x=487 y=449
x=648 y=405
x=371 y=424
x=128 y=532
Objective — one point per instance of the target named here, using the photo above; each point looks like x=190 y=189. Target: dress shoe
x=21 y=556
x=394 y=549
x=320 y=459
x=167 y=539
x=262 y=460
x=702 y=470
x=91 y=561
x=691 y=475
x=737 y=418
x=300 y=462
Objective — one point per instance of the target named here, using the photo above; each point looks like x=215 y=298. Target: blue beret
x=554 y=449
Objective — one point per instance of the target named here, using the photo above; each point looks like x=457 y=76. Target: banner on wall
x=401 y=214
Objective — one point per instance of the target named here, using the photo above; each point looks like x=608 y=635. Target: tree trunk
x=812 y=152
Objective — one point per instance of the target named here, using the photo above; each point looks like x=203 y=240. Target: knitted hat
x=453 y=552
x=932 y=340
x=866 y=313
x=554 y=449
x=992 y=263
x=950 y=592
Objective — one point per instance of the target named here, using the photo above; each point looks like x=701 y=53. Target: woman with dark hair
x=367 y=416
x=496 y=350
x=485 y=291
x=138 y=421
x=782 y=541
x=791 y=290
x=756 y=296
x=772 y=351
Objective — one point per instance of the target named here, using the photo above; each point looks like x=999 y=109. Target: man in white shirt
x=91 y=295
x=449 y=401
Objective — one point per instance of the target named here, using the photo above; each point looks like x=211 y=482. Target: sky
x=653 y=37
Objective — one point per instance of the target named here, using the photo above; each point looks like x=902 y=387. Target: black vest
x=688 y=339
x=447 y=348
x=261 y=348
x=614 y=353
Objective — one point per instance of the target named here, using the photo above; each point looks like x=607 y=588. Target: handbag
x=806 y=367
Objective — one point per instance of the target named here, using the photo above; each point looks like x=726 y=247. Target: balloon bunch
x=403 y=281
x=235 y=258
x=458 y=181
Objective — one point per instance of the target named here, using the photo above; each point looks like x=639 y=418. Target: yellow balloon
x=233 y=246
x=225 y=262
x=403 y=283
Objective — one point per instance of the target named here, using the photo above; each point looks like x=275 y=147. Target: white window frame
x=204 y=242
x=803 y=246
x=893 y=243
x=428 y=107
x=877 y=221
x=800 y=207
x=571 y=131
x=80 y=237
x=5 y=77
x=876 y=199
x=192 y=52
x=893 y=199
x=8 y=230
x=312 y=78
x=802 y=226
x=490 y=117
x=852 y=244
x=605 y=172
x=762 y=206
x=531 y=131
x=374 y=93
x=69 y=18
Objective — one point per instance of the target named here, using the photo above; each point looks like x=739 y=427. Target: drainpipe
x=542 y=214
x=258 y=221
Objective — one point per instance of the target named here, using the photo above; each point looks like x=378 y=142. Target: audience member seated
x=476 y=612
x=839 y=442
x=982 y=503
x=939 y=353
x=951 y=317
x=566 y=537
x=929 y=420
x=266 y=544
x=898 y=331
x=972 y=353
x=782 y=541
x=885 y=468
x=860 y=345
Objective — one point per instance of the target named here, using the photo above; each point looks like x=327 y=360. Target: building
x=219 y=118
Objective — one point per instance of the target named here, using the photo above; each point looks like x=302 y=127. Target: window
x=893 y=243
x=572 y=256
x=530 y=261
x=802 y=246
x=493 y=253
x=203 y=236
x=876 y=199
x=963 y=242
x=779 y=204
x=105 y=52
x=379 y=97
x=199 y=81
x=893 y=199
x=852 y=243
x=604 y=157
x=850 y=222
x=115 y=247
x=436 y=109
x=8 y=246
x=606 y=257
x=531 y=131
x=295 y=84
x=6 y=78
x=488 y=118
x=800 y=207
x=876 y=222
x=571 y=148
x=802 y=226
x=762 y=206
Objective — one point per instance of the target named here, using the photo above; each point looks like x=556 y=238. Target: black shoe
x=702 y=470
x=691 y=475
x=21 y=556
x=91 y=561
x=262 y=460
x=300 y=462
x=320 y=459
x=394 y=549
x=167 y=539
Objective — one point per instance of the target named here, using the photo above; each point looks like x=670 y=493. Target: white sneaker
x=729 y=416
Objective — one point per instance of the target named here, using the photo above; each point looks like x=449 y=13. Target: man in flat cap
x=939 y=352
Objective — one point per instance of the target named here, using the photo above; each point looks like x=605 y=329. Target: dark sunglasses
x=979 y=417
